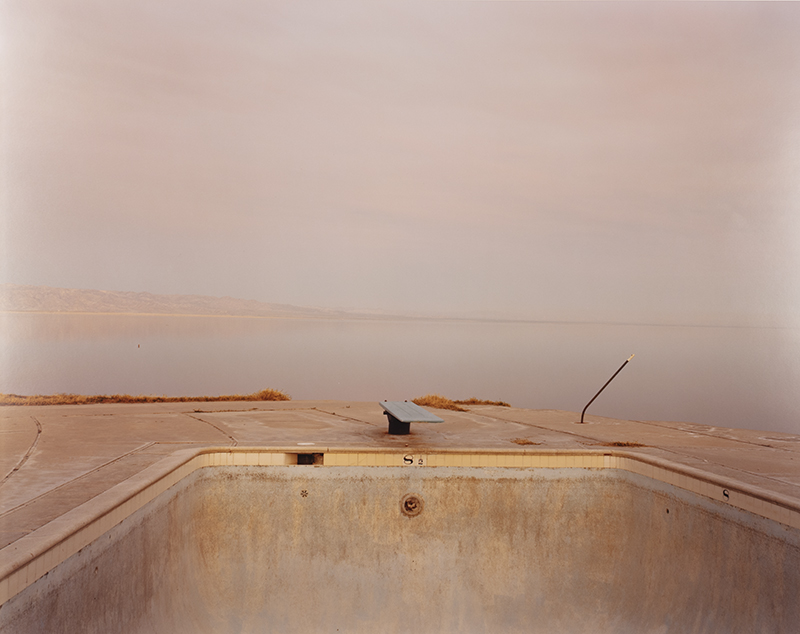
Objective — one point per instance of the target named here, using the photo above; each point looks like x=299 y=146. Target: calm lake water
x=734 y=377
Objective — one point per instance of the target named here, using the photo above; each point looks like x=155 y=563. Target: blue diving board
x=402 y=413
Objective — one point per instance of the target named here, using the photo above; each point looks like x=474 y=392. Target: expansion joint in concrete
x=28 y=453
x=234 y=442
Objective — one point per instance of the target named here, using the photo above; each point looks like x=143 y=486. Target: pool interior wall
x=313 y=549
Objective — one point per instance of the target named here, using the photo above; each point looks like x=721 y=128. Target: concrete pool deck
x=56 y=460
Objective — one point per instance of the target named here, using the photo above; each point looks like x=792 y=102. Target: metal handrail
x=606 y=385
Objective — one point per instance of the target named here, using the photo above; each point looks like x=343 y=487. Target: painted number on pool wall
x=411 y=460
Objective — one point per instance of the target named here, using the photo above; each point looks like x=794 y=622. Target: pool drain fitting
x=411 y=505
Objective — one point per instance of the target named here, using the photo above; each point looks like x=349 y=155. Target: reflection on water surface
x=735 y=377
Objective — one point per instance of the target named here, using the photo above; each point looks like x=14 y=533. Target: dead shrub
x=439 y=402
x=478 y=401
x=80 y=399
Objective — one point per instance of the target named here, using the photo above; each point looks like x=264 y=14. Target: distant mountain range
x=20 y=298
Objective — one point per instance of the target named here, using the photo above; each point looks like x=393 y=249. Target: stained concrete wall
x=313 y=549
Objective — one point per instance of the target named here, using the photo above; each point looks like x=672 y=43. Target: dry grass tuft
x=439 y=402
x=442 y=402
x=79 y=399
x=524 y=441
x=619 y=443
x=478 y=401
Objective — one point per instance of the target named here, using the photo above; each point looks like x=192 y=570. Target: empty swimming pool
x=327 y=548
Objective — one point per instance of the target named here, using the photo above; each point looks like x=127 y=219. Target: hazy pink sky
x=583 y=161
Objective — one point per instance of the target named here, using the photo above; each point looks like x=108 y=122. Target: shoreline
x=400 y=318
